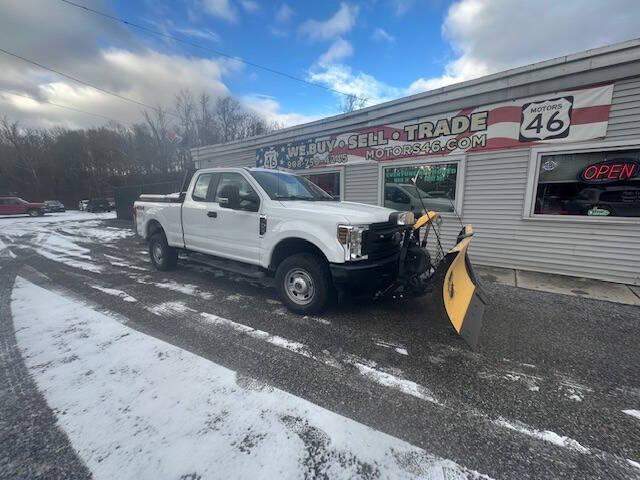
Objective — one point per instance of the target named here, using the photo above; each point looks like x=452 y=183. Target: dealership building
x=543 y=160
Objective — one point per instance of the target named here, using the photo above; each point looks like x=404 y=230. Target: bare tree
x=352 y=102
x=188 y=111
x=159 y=126
x=25 y=147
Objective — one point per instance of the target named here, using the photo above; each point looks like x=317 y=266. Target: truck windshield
x=285 y=186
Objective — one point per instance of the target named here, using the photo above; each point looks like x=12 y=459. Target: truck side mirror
x=230 y=197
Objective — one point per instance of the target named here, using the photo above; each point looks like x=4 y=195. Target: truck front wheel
x=162 y=255
x=304 y=283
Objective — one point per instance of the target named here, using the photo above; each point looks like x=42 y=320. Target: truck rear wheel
x=304 y=283
x=162 y=255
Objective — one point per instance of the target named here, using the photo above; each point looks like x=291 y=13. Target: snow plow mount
x=424 y=267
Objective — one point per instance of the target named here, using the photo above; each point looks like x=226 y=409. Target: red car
x=18 y=206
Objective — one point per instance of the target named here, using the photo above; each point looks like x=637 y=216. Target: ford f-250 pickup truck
x=270 y=223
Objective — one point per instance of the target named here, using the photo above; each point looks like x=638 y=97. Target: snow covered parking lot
x=200 y=374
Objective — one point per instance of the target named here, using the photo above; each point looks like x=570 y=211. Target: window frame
x=218 y=178
x=207 y=198
x=320 y=170
x=535 y=157
x=461 y=160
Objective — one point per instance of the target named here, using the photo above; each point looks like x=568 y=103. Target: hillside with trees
x=69 y=165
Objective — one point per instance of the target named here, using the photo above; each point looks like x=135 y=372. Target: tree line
x=73 y=164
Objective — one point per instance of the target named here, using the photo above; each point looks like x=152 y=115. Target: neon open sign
x=610 y=171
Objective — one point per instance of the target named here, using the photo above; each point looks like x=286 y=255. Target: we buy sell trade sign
x=567 y=116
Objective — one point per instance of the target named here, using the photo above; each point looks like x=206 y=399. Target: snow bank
x=136 y=407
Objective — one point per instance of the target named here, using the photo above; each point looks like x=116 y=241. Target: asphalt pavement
x=543 y=396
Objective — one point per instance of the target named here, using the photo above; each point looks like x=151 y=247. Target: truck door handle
x=212 y=214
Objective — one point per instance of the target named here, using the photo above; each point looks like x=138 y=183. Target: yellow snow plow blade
x=462 y=301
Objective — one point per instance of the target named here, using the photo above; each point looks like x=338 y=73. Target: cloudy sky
x=376 y=49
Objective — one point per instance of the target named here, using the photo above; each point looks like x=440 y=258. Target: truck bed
x=170 y=198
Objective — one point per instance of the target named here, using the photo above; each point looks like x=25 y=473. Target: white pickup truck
x=268 y=223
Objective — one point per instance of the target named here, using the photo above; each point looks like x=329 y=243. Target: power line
x=82 y=82
x=207 y=49
x=58 y=105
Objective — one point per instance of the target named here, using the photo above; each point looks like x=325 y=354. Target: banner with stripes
x=569 y=116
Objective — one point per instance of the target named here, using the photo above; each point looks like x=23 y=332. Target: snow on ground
x=64 y=243
x=546 y=435
x=401 y=349
x=4 y=250
x=19 y=224
x=61 y=249
x=136 y=407
x=170 y=308
x=633 y=413
x=116 y=293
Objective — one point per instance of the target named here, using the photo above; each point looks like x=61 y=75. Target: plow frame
x=448 y=276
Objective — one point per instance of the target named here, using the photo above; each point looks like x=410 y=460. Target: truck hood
x=351 y=212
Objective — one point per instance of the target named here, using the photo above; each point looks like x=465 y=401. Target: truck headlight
x=406 y=218
x=351 y=238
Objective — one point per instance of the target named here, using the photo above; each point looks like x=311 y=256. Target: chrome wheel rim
x=158 y=253
x=299 y=286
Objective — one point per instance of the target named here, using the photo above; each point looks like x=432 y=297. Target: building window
x=594 y=184
x=434 y=187
x=329 y=182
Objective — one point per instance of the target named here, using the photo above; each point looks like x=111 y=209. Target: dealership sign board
x=569 y=116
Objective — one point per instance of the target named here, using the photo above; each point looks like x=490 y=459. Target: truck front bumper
x=365 y=276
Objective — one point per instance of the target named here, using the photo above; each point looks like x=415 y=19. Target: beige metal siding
x=246 y=158
x=493 y=203
x=361 y=183
x=624 y=118
x=494 y=200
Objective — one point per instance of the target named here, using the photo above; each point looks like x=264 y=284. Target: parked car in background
x=18 y=206
x=98 y=205
x=82 y=205
x=54 y=206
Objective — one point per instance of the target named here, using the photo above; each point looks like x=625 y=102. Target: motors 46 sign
x=546 y=120
x=566 y=116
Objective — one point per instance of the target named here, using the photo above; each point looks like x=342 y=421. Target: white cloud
x=150 y=77
x=381 y=35
x=221 y=9
x=341 y=22
x=494 y=35
x=402 y=6
x=343 y=79
x=198 y=33
x=339 y=50
x=268 y=108
x=77 y=46
x=250 y=6
x=284 y=13
x=278 y=32
x=282 y=17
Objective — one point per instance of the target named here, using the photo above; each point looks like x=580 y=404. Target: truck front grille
x=381 y=240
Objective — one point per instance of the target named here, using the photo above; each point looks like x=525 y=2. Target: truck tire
x=34 y=212
x=162 y=255
x=304 y=283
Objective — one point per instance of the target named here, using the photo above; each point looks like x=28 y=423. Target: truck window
x=202 y=187
x=247 y=193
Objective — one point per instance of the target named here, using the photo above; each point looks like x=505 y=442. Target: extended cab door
x=237 y=223
x=197 y=219
x=230 y=230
